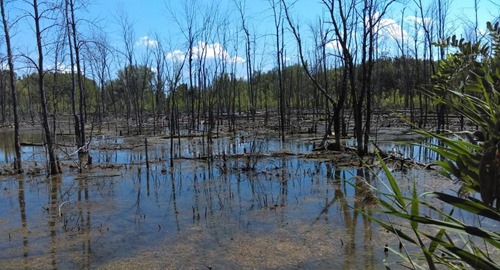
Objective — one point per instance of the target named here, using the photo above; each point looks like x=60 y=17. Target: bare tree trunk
x=442 y=12
x=173 y=80
x=81 y=89
x=337 y=104
x=76 y=120
x=17 y=146
x=428 y=68
x=53 y=164
x=3 y=98
x=55 y=77
x=342 y=27
x=101 y=65
x=250 y=85
x=281 y=80
x=279 y=61
x=129 y=72
x=159 y=85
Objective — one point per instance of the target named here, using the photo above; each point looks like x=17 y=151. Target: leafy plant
x=468 y=83
x=442 y=238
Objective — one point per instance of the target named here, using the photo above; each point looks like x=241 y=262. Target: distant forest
x=395 y=86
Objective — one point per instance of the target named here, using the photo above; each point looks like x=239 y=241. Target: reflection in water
x=174 y=201
x=31 y=149
x=55 y=183
x=24 y=222
x=84 y=226
x=282 y=212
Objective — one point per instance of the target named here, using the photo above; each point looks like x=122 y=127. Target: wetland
x=254 y=202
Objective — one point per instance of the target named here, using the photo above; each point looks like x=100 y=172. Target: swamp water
x=277 y=211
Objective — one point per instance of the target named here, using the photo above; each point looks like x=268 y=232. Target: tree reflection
x=55 y=185
x=85 y=225
x=362 y=201
x=174 y=199
x=283 y=191
x=280 y=192
x=350 y=214
x=24 y=222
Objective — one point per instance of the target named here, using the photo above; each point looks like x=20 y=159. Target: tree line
x=336 y=70
x=230 y=94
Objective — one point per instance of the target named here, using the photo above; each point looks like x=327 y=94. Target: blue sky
x=156 y=17
x=153 y=15
x=159 y=19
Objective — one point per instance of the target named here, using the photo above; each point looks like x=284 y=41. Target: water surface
x=232 y=211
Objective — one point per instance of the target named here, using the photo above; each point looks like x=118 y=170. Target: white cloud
x=214 y=51
x=428 y=21
x=175 y=55
x=61 y=68
x=334 y=45
x=146 y=41
x=207 y=51
x=391 y=28
x=413 y=21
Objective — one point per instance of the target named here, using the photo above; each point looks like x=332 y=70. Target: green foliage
x=467 y=82
x=471 y=76
x=391 y=99
x=394 y=79
x=443 y=239
x=132 y=90
x=58 y=89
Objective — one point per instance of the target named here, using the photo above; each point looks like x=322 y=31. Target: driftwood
x=30 y=144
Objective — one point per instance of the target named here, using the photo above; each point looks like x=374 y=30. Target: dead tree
x=75 y=44
x=336 y=103
x=53 y=167
x=248 y=52
x=372 y=13
x=128 y=40
x=189 y=31
x=10 y=61
x=76 y=119
x=159 y=85
x=174 y=72
x=278 y=21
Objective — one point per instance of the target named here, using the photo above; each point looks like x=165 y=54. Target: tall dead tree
x=174 y=71
x=10 y=62
x=278 y=27
x=342 y=17
x=100 y=62
x=76 y=119
x=372 y=13
x=128 y=41
x=428 y=67
x=159 y=84
x=252 y=96
x=75 y=44
x=53 y=167
x=323 y=87
x=3 y=94
x=189 y=31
